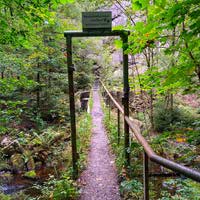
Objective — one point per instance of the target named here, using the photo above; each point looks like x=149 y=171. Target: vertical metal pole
x=118 y=120
x=118 y=126
x=72 y=106
x=146 y=176
x=124 y=37
x=109 y=108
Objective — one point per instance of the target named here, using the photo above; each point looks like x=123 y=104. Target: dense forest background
x=164 y=68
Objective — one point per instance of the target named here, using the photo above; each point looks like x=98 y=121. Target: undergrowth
x=131 y=187
x=65 y=187
x=167 y=119
x=84 y=126
x=180 y=189
x=61 y=187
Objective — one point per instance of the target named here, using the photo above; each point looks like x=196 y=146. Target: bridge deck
x=99 y=180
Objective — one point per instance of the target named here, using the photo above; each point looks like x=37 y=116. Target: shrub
x=58 y=189
x=131 y=189
x=4 y=197
x=166 y=119
x=180 y=189
x=65 y=189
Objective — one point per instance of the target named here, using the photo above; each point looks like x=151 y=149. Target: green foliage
x=84 y=127
x=163 y=138
x=19 y=16
x=179 y=189
x=33 y=83
x=47 y=137
x=58 y=189
x=166 y=119
x=131 y=189
x=173 y=27
x=111 y=126
x=194 y=137
x=173 y=145
x=21 y=196
x=30 y=174
x=5 y=197
x=64 y=189
x=11 y=112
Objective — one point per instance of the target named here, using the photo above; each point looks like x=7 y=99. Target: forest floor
x=99 y=180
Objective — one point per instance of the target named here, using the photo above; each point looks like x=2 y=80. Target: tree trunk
x=38 y=89
x=49 y=78
x=2 y=75
x=151 y=111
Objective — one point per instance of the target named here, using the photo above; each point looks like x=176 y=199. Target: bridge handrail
x=186 y=171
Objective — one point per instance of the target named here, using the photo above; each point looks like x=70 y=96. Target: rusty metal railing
x=149 y=154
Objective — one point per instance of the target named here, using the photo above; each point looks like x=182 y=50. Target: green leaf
x=118 y=44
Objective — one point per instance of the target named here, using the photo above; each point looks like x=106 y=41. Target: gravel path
x=99 y=180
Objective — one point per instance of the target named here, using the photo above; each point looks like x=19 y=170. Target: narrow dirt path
x=99 y=180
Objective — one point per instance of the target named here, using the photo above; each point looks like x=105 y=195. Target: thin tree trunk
x=38 y=89
x=173 y=64
x=196 y=63
x=2 y=75
x=151 y=111
x=49 y=78
x=148 y=57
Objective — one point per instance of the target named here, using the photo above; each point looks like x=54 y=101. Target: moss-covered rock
x=9 y=146
x=17 y=162
x=6 y=146
x=30 y=174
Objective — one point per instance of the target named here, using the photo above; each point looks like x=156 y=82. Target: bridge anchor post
x=146 y=175
x=125 y=99
x=72 y=106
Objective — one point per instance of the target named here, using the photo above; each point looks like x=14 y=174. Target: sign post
x=72 y=107
x=97 y=24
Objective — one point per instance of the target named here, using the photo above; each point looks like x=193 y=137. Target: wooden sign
x=96 y=21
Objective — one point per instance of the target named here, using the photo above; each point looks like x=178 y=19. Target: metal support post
x=109 y=108
x=72 y=106
x=125 y=100
x=146 y=176
x=118 y=126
